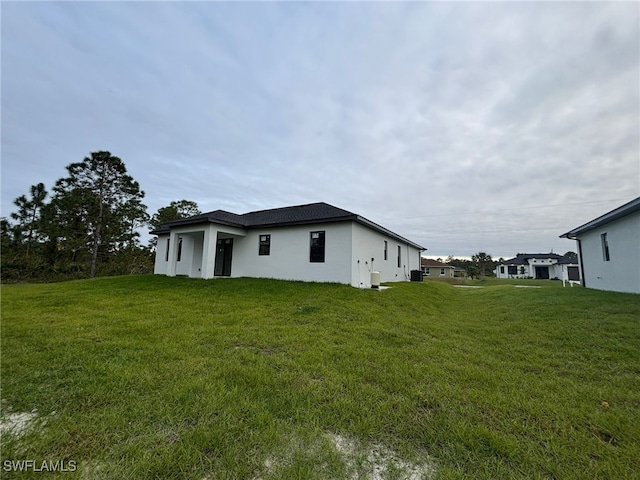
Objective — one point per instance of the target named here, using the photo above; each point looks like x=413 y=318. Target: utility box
x=375 y=279
x=416 y=275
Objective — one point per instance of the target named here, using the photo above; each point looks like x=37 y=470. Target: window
x=316 y=251
x=265 y=245
x=442 y=271
x=386 y=250
x=513 y=270
x=179 y=249
x=166 y=255
x=426 y=271
x=502 y=269
x=399 y=256
x=605 y=247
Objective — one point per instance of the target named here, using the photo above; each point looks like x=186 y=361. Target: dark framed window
x=166 y=255
x=265 y=245
x=179 y=249
x=605 y=247
x=316 y=250
x=442 y=271
x=501 y=269
x=399 y=256
x=513 y=270
x=386 y=250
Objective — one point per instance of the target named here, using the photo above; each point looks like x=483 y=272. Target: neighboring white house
x=315 y=242
x=609 y=249
x=539 y=266
x=435 y=269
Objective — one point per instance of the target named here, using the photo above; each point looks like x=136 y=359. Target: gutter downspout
x=420 y=258
x=582 y=276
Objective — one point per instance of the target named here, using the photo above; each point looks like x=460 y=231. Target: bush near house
x=153 y=377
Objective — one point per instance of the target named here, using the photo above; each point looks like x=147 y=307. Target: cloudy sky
x=465 y=127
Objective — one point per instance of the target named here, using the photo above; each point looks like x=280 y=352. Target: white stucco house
x=609 y=249
x=314 y=242
x=539 y=266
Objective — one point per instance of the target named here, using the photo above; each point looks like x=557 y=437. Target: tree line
x=87 y=225
x=480 y=264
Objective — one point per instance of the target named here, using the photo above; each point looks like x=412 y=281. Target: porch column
x=173 y=254
x=209 y=251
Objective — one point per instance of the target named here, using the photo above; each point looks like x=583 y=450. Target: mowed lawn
x=151 y=377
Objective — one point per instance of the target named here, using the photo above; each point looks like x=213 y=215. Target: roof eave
x=616 y=214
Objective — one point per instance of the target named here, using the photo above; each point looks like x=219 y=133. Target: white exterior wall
x=542 y=262
x=368 y=244
x=288 y=258
x=161 y=266
x=622 y=272
x=349 y=248
x=556 y=270
x=527 y=272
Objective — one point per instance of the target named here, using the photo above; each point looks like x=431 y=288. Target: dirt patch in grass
x=379 y=462
x=346 y=458
x=17 y=423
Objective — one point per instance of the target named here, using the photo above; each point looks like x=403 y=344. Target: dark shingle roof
x=568 y=260
x=217 y=216
x=311 y=213
x=297 y=215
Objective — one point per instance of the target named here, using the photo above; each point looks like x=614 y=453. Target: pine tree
x=96 y=208
x=28 y=215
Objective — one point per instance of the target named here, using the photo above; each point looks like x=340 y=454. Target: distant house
x=609 y=249
x=314 y=242
x=433 y=268
x=539 y=266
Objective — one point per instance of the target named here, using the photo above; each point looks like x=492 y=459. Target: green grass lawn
x=154 y=377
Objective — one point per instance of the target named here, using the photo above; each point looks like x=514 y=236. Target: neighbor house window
x=179 y=249
x=502 y=269
x=166 y=255
x=386 y=250
x=605 y=247
x=399 y=256
x=265 y=245
x=316 y=251
x=426 y=271
x=442 y=271
x=513 y=270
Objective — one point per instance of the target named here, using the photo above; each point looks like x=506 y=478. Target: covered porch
x=202 y=251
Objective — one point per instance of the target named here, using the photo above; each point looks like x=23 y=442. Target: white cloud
x=392 y=110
